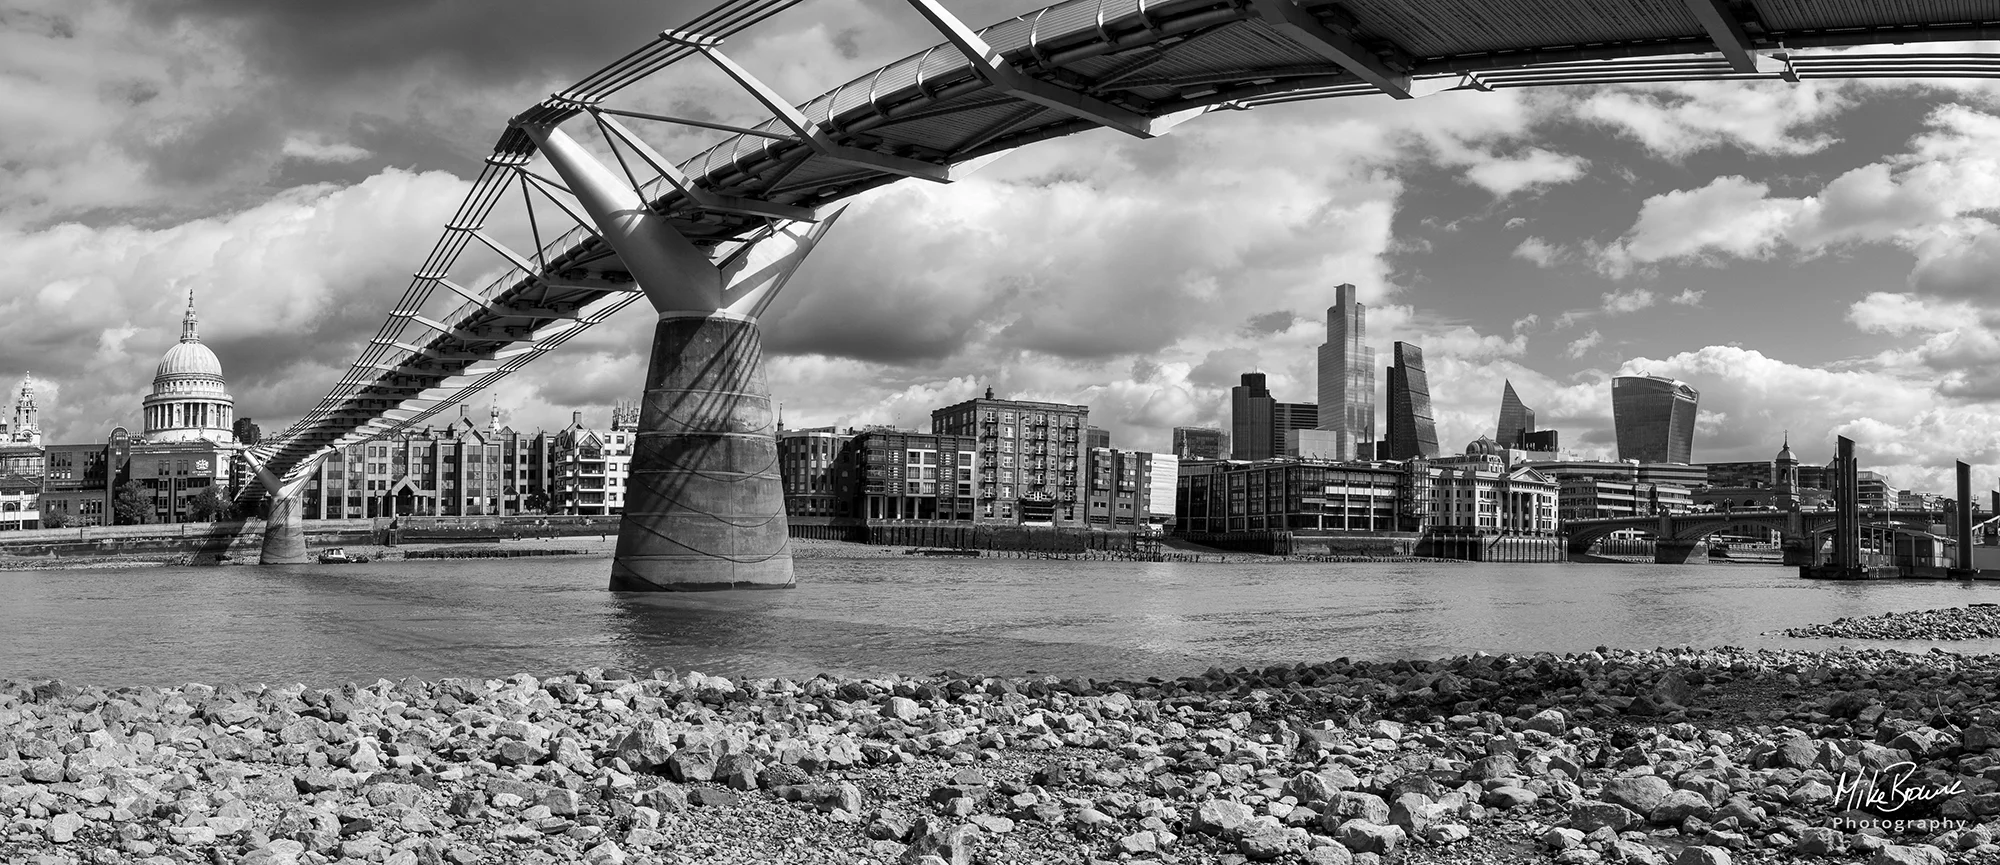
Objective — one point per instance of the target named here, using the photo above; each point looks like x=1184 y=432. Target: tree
x=538 y=502
x=209 y=505
x=131 y=506
x=55 y=520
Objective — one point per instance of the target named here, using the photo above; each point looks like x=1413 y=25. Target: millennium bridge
x=709 y=238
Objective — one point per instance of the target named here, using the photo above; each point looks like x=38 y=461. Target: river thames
x=324 y=625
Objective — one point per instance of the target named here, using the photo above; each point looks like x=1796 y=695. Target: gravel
x=1975 y=622
x=1666 y=756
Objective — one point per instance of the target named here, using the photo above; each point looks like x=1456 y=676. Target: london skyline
x=1808 y=255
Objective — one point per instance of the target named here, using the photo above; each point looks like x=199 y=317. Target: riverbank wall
x=960 y=536
x=1431 y=545
x=240 y=540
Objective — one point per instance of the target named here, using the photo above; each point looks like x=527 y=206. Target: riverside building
x=1260 y=425
x=908 y=475
x=588 y=467
x=459 y=469
x=808 y=461
x=1029 y=458
x=1200 y=443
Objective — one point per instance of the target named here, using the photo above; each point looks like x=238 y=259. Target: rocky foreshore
x=1665 y=756
x=1975 y=622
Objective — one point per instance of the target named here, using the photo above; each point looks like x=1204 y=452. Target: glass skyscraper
x=1347 y=376
x=1653 y=418
x=1411 y=430
x=1516 y=420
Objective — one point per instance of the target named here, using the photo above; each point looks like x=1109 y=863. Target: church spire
x=188 y=333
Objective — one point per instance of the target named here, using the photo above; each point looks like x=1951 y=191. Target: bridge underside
x=1135 y=66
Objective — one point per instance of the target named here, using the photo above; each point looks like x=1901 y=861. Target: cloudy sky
x=1815 y=257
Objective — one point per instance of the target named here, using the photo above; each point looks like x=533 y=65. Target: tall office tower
x=1096 y=437
x=1200 y=443
x=1347 y=375
x=1516 y=420
x=1653 y=418
x=1411 y=431
x=1250 y=406
x=1288 y=416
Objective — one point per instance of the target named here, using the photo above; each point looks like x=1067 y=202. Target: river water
x=324 y=625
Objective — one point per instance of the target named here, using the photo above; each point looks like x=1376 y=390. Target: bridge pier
x=705 y=506
x=1672 y=552
x=284 y=528
x=284 y=533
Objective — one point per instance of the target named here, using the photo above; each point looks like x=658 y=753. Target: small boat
x=339 y=556
x=1719 y=551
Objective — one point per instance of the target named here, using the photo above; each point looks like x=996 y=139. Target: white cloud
x=1898 y=314
x=1533 y=169
x=1583 y=344
x=1730 y=215
x=1676 y=120
x=1629 y=300
x=1539 y=251
x=298 y=147
x=1689 y=297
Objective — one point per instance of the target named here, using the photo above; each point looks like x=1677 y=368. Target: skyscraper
x=1653 y=418
x=1250 y=419
x=1200 y=443
x=1347 y=375
x=1411 y=431
x=1258 y=421
x=1516 y=420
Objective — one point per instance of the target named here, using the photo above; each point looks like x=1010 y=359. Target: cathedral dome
x=190 y=400
x=188 y=360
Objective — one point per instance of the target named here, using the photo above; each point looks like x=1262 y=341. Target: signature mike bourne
x=1889 y=790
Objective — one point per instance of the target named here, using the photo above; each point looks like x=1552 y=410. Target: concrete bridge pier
x=284 y=529
x=705 y=506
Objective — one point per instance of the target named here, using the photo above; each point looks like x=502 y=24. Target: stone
x=1632 y=853
x=692 y=763
x=902 y=709
x=1263 y=842
x=1561 y=838
x=1330 y=854
x=1588 y=816
x=62 y=828
x=1349 y=804
x=1640 y=793
x=1550 y=721
x=1440 y=834
x=1218 y=816
x=712 y=797
x=1925 y=743
x=1508 y=797
x=1822 y=841
x=1679 y=805
x=738 y=771
x=647 y=745
x=1361 y=836
x=1914 y=854
x=1692 y=855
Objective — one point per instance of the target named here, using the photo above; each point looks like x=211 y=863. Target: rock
x=902 y=709
x=1673 y=689
x=1440 y=834
x=606 y=853
x=1331 y=854
x=1702 y=856
x=1822 y=841
x=1678 y=806
x=692 y=763
x=1550 y=721
x=1263 y=842
x=1219 y=816
x=1508 y=797
x=1633 y=853
x=1140 y=844
x=1588 y=816
x=1562 y=839
x=62 y=828
x=1361 y=836
x=666 y=798
x=1925 y=743
x=1641 y=793
x=1349 y=804
x=1917 y=854
x=738 y=771
x=647 y=746
x=1414 y=812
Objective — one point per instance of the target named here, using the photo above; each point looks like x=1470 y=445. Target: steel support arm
x=996 y=71
x=1302 y=27
x=1726 y=32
